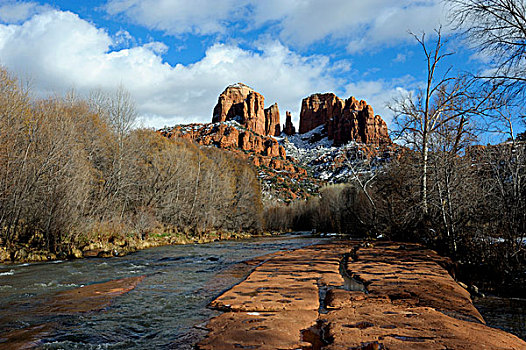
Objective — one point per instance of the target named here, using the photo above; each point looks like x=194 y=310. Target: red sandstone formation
x=241 y=124
x=317 y=110
x=349 y=120
x=288 y=127
x=227 y=136
x=263 y=151
x=312 y=298
x=272 y=126
x=241 y=103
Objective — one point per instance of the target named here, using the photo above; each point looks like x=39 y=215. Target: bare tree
x=498 y=29
x=363 y=175
x=117 y=109
x=443 y=101
x=507 y=177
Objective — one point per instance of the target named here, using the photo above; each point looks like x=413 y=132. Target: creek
x=508 y=314
x=167 y=310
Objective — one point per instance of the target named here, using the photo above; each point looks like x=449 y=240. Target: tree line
x=74 y=170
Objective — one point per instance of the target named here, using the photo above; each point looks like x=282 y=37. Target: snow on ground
x=209 y=127
x=315 y=151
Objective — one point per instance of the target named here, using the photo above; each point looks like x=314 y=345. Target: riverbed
x=167 y=310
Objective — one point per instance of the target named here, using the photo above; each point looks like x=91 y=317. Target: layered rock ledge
x=352 y=296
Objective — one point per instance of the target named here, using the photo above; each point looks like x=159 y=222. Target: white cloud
x=363 y=25
x=179 y=16
x=360 y=25
x=402 y=57
x=59 y=51
x=391 y=24
x=123 y=39
x=15 y=11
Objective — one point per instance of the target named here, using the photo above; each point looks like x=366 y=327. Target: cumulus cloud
x=16 y=11
x=179 y=16
x=59 y=51
x=360 y=25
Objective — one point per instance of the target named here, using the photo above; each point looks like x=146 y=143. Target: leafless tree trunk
x=445 y=102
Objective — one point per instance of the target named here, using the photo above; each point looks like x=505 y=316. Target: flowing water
x=167 y=310
x=508 y=314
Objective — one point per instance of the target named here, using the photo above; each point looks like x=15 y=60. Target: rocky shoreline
x=352 y=295
x=104 y=248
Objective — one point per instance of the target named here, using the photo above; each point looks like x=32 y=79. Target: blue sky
x=176 y=56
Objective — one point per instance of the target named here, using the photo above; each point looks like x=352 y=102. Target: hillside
x=338 y=139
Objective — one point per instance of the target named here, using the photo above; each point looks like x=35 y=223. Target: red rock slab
x=26 y=338
x=89 y=298
x=414 y=276
x=92 y=297
x=285 y=282
x=340 y=298
x=304 y=297
x=254 y=330
x=412 y=303
x=379 y=324
x=277 y=301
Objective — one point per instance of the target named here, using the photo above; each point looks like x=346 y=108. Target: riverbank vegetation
x=74 y=172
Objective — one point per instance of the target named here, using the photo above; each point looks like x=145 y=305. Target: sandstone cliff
x=344 y=120
x=242 y=125
x=288 y=127
x=227 y=135
x=241 y=103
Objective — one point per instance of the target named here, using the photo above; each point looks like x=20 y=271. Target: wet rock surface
x=85 y=299
x=352 y=296
x=93 y=297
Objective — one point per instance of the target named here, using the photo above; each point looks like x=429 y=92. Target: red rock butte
x=240 y=123
x=241 y=103
x=344 y=120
